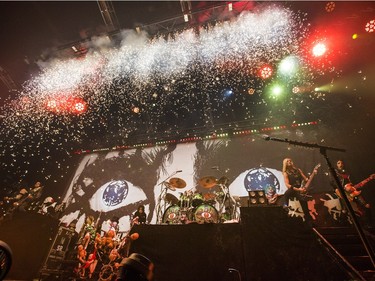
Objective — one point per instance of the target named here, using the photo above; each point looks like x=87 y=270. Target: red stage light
x=66 y=104
x=370 y=26
x=52 y=105
x=319 y=49
x=265 y=72
x=79 y=106
x=330 y=6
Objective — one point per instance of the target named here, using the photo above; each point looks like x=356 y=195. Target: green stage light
x=276 y=90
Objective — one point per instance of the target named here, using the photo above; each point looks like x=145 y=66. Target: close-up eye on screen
x=114 y=185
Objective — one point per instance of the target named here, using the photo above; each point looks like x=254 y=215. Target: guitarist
x=293 y=178
x=359 y=204
x=13 y=204
x=23 y=199
x=34 y=194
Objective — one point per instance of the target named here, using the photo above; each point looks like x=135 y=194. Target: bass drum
x=172 y=215
x=206 y=214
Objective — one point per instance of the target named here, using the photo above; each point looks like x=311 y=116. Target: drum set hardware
x=174 y=183
x=170 y=199
x=223 y=197
x=206 y=214
x=207 y=182
x=223 y=180
x=177 y=183
x=170 y=183
x=194 y=207
x=210 y=198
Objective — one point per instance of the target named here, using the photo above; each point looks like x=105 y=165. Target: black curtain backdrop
x=267 y=245
x=186 y=252
x=29 y=236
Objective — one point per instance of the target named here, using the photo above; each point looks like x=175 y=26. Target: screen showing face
x=210 y=172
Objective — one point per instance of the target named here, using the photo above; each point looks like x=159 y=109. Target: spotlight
x=251 y=91
x=265 y=72
x=135 y=109
x=79 y=107
x=330 y=6
x=288 y=66
x=52 y=104
x=370 y=26
x=319 y=49
x=296 y=90
x=257 y=197
x=276 y=90
x=227 y=93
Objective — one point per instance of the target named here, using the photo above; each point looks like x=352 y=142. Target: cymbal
x=171 y=199
x=177 y=182
x=207 y=182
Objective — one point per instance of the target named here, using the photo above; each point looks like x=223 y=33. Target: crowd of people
x=29 y=200
x=94 y=247
x=110 y=251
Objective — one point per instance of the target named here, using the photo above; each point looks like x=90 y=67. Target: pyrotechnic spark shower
x=169 y=79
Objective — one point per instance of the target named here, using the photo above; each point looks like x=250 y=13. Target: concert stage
x=265 y=245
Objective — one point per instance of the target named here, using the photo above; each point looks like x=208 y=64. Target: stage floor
x=265 y=245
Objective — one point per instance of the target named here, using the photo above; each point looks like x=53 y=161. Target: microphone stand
x=323 y=151
x=160 y=209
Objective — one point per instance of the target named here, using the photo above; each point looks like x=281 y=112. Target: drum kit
x=193 y=206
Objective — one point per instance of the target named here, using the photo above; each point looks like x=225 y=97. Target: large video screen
x=113 y=184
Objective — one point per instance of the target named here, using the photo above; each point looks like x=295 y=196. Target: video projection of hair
x=116 y=183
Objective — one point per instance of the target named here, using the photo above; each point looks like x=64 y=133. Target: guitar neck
x=312 y=176
x=362 y=183
x=309 y=180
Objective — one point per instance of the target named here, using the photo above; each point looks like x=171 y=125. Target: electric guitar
x=27 y=195
x=306 y=185
x=353 y=191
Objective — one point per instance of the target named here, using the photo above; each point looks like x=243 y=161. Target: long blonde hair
x=285 y=167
